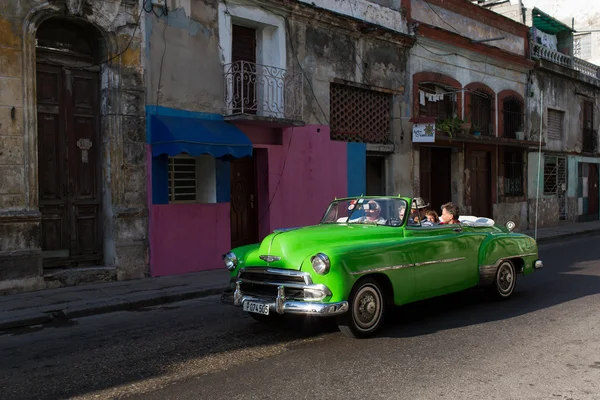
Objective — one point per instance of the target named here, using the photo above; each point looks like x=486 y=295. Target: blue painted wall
x=357 y=168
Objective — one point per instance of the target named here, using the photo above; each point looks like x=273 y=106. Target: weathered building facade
x=565 y=96
x=259 y=113
x=470 y=75
x=72 y=155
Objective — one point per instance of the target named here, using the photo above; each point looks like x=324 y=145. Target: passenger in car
x=450 y=214
x=432 y=217
x=418 y=213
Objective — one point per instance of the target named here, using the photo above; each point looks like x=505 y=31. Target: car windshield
x=360 y=210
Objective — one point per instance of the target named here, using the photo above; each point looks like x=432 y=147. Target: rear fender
x=511 y=246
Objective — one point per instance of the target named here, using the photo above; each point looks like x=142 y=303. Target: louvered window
x=555 y=124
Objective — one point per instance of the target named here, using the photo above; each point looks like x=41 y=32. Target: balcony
x=590 y=141
x=577 y=64
x=263 y=94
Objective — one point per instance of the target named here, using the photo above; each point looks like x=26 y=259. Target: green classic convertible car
x=370 y=253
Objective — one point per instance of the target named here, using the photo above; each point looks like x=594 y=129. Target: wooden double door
x=69 y=166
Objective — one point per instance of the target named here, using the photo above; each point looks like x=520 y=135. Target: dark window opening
x=590 y=135
x=244 y=73
x=512 y=115
x=440 y=102
x=481 y=112
x=513 y=173
x=69 y=37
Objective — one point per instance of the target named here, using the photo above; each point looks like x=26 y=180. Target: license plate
x=259 y=308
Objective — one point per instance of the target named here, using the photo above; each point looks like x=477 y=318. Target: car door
x=441 y=260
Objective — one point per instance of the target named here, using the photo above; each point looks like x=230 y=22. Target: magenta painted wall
x=314 y=173
x=191 y=237
x=188 y=237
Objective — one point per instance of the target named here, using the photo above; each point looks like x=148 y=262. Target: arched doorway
x=69 y=156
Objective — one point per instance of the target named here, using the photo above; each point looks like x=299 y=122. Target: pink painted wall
x=191 y=237
x=314 y=173
x=188 y=237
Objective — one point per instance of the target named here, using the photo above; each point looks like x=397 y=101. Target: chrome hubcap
x=367 y=307
x=505 y=278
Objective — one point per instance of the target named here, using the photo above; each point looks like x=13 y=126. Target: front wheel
x=505 y=281
x=367 y=309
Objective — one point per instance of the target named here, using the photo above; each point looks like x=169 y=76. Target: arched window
x=481 y=111
x=64 y=37
x=437 y=101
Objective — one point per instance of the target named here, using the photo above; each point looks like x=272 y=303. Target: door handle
x=457 y=230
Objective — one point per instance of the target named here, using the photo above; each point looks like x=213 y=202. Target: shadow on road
x=111 y=352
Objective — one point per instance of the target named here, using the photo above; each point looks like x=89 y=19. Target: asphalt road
x=544 y=343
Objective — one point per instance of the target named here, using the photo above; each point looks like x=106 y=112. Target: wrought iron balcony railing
x=577 y=64
x=590 y=141
x=254 y=89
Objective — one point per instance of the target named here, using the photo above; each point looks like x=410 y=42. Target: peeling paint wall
x=121 y=130
x=475 y=29
x=561 y=92
x=184 y=60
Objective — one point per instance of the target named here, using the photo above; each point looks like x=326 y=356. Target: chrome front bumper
x=283 y=306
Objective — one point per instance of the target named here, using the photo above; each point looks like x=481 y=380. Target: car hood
x=290 y=247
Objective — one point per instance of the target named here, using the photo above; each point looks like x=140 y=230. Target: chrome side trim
x=381 y=269
x=498 y=261
x=446 y=260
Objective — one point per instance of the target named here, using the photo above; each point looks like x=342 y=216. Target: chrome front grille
x=263 y=282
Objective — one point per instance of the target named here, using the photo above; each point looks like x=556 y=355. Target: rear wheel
x=505 y=280
x=367 y=309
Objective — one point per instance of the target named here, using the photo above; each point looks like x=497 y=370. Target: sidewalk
x=34 y=308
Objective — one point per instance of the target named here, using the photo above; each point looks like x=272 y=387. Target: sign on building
x=423 y=131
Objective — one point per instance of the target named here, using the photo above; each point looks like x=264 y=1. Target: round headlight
x=230 y=261
x=320 y=263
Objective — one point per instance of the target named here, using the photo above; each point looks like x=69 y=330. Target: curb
x=124 y=303
x=563 y=236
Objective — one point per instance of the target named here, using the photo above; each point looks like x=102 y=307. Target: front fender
x=350 y=263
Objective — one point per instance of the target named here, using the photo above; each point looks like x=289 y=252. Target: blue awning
x=195 y=136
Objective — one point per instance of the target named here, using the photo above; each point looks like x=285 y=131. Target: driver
x=372 y=214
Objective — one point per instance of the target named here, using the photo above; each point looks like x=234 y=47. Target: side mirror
x=510 y=226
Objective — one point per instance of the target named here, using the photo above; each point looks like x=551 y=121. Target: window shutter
x=555 y=124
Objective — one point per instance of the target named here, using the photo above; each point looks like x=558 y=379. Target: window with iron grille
x=513 y=172
x=182 y=179
x=512 y=114
x=555 y=123
x=359 y=115
x=440 y=109
x=555 y=171
x=481 y=112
